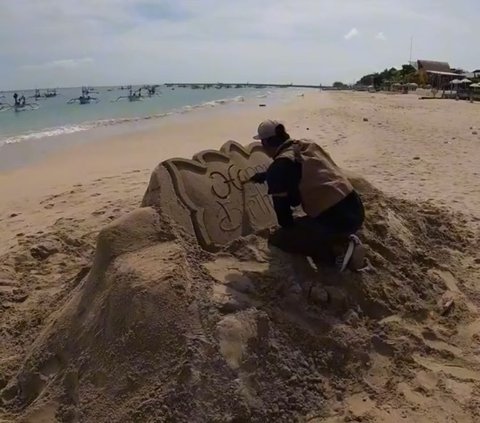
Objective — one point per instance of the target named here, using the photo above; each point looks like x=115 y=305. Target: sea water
x=27 y=136
x=54 y=116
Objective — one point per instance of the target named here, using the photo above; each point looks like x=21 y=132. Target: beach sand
x=400 y=344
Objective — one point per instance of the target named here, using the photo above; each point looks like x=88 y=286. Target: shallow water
x=30 y=136
x=55 y=117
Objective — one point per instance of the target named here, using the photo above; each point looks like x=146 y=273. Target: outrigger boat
x=4 y=106
x=151 y=90
x=25 y=107
x=85 y=98
x=132 y=95
x=19 y=105
x=37 y=95
x=50 y=93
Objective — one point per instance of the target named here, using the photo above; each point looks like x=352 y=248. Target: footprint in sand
x=459 y=371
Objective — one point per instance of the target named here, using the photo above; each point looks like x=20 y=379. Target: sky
x=55 y=43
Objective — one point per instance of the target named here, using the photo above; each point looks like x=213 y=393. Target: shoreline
x=148 y=286
x=19 y=149
x=134 y=148
x=408 y=148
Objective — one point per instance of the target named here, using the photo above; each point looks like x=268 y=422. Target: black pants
x=320 y=237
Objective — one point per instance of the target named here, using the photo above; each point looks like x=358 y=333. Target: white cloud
x=136 y=41
x=59 y=64
x=351 y=34
x=381 y=36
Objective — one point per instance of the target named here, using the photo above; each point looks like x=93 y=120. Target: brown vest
x=322 y=184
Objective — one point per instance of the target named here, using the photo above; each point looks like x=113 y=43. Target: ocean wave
x=74 y=128
x=45 y=133
x=213 y=103
x=70 y=129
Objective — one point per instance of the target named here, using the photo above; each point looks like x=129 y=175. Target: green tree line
x=390 y=76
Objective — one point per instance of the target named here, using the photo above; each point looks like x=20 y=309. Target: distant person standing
x=15 y=97
x=22 y=101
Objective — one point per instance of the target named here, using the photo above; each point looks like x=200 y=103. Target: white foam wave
x=49 y=132
x=71 y=129
x=213 y=103
x=222 y=101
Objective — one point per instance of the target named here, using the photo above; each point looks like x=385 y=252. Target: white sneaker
x=354 y=257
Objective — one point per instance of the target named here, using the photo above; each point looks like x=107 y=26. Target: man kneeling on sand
x=302 y=173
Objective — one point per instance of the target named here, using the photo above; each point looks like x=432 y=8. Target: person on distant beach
x=15 y=98
x=22 y=101
x=302 y=173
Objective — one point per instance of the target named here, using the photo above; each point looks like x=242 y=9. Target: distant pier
x=199 y=85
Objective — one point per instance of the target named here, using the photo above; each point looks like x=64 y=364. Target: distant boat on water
x=85 y=98
x=25 y=107
x=20 y=104
x=50 y=93
x=132 y=96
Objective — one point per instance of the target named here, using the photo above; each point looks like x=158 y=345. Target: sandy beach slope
x=401 y=344
x=409 y=148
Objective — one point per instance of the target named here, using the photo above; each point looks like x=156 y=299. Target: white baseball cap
x=266 y=129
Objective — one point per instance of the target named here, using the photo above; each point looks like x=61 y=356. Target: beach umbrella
x=465 y=81
x=456 y=82
x=475 y=86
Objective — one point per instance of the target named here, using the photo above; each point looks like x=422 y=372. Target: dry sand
x=144 y=330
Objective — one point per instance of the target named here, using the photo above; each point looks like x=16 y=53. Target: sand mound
x=160 y=330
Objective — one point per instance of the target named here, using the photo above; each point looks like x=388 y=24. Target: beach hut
x=454 y=83
x=460 y=87
x=437 y=74
x=474 y=92
x=412 y=86
x=396 y=86
x=431 y=65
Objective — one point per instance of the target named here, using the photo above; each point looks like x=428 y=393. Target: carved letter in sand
x=210 y=187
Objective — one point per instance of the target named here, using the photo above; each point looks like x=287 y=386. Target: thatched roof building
x=432 y=66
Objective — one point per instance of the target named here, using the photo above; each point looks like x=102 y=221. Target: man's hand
x=259 y=178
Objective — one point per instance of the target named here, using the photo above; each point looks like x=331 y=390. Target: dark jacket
x=323 y=192
x=283 y=176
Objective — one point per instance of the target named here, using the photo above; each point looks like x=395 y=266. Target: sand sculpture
x=212 y=202
x=157 y=329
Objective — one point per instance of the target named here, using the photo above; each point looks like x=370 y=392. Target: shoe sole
x=348 y=255
x=358 y=259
